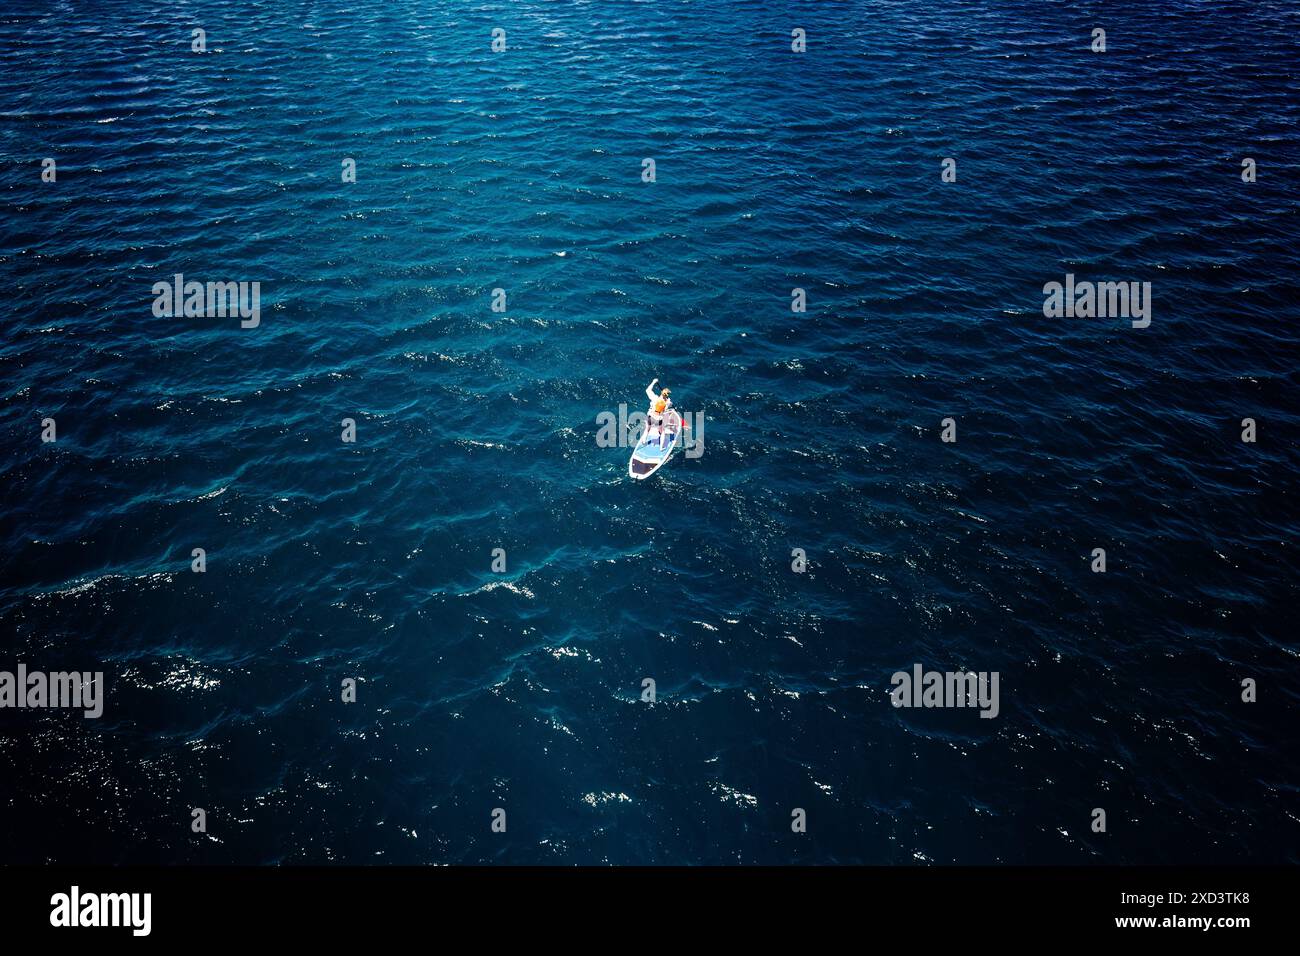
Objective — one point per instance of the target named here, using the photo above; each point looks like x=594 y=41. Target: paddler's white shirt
x=653 y=417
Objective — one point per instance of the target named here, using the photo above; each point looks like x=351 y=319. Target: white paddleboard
x=654 y=449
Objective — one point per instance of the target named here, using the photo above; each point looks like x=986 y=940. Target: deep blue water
x=477 y=430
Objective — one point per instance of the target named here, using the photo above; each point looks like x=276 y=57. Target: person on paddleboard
x=661 y=406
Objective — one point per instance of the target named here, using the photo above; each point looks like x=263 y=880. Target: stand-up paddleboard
x=655 y=448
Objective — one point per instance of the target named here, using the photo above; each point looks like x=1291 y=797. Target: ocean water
x=476 y=430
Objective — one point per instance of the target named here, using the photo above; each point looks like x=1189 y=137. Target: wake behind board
x=653 y=451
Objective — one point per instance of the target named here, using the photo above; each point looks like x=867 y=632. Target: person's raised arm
x=650 y=390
